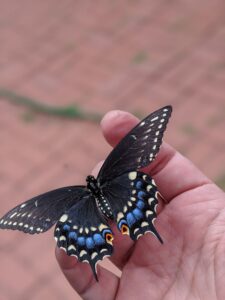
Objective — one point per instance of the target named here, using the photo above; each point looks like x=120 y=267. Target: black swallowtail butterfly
x=120 y=193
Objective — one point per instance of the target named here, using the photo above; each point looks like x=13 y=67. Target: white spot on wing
x=148 y=213
x=120 y=216
x=103 y=250
x=125 y=209
x=93 y=255
x=148 y=188
x=144 y=224
x=102 y=226
x=150 y=200
x=82 y=253
x=63 y=218
x=132 y=175
x=71 y=247
x=154 y=119
x=13 y=215
x=135 y=230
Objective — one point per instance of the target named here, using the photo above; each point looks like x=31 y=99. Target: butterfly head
x=92 y=184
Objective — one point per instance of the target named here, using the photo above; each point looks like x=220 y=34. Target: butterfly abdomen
x=104 y=206
x=101 y=201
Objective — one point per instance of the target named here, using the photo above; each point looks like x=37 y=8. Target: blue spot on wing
x=139 y=184
x=73 y=235
x=140 y=204
x=81 y=241
x=90 y=243
x=130 y=219
x=98 y=239
x=141 y=194
x=66 y=227
x=138 y=213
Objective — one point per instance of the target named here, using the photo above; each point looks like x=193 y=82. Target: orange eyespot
x=109 y=238
x=125 y=229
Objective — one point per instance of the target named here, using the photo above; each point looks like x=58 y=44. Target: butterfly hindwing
x=41 y=212
x=82 y=232
x=138 y=148
x=133 y=199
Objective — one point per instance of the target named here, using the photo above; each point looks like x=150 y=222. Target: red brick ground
x=131 y=55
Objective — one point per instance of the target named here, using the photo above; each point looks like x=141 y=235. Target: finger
x=116 y=124
x=174 y=174
x=82 y=280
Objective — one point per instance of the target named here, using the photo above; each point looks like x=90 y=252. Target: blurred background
x=63 y=64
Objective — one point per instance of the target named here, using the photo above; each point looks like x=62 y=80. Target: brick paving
x=131 y=55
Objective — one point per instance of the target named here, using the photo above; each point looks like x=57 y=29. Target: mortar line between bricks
x=99 y=58
x=39 y=166
x=177 y=58
x=189 y=90
x=27 y=77
x=42 y=37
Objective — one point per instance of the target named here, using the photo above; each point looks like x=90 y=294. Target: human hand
x=191 y=262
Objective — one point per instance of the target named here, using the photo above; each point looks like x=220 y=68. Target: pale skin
x=191 y=262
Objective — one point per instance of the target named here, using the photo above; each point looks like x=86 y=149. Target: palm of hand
x=191 y=262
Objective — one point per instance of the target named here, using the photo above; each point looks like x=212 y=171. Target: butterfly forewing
x=138 y=148
x=40 y=213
